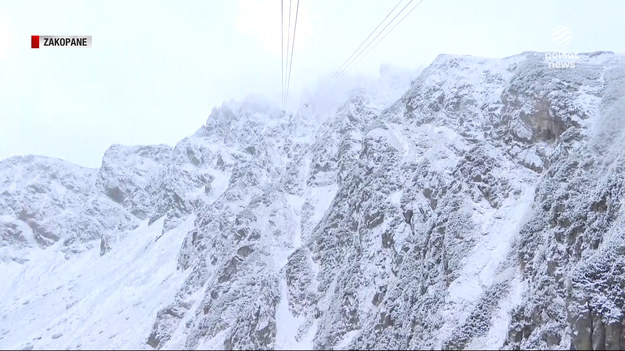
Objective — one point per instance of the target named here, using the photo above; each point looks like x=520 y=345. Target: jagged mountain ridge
x=480 y=209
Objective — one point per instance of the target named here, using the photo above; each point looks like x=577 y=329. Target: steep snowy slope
x=45 y=201
x=476 y=205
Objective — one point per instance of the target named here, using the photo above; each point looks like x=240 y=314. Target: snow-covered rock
x=476 y=205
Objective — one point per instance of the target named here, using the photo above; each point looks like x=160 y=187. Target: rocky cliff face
x=479 y=208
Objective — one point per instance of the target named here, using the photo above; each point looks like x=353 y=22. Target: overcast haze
x=157 y=68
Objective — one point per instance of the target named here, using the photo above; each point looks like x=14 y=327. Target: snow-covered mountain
x=474 y=205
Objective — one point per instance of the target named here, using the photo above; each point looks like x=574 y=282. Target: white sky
x=157 y=68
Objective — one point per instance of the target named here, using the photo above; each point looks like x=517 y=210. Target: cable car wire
x=364 y=41
x=288 y=82
x=384 y=36
x=382 y=31
x=282 y=47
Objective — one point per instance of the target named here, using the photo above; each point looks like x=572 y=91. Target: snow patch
x=287 y=325
x=108 y=300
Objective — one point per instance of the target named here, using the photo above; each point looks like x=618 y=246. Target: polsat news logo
x=63 y=41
